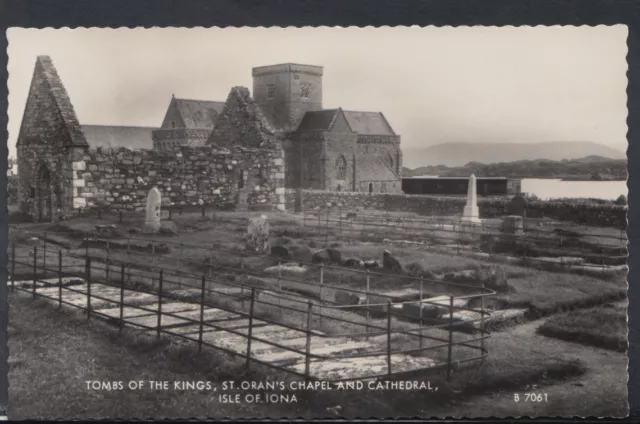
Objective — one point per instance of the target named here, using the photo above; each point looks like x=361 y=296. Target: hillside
x=586 y=168
x=459 y=154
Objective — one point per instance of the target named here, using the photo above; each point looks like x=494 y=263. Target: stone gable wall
x=381 y=145
x=600 y=215
x=120 y=179
x=48 y=133
x=339 y=144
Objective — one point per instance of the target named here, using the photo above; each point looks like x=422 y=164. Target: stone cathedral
x=241 y=153
x=325 y=149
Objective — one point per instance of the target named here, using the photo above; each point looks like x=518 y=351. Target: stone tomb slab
x=127 y=312
x=210 y=314
x=152 y=321
x=363 y=367
x=336 y=349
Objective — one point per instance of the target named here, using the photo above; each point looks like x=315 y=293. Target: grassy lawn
x=546 y=292
x=602 y=326
x=51 y=361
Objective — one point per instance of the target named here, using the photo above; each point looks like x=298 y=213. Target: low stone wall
x=590 y=214
x=120 y=179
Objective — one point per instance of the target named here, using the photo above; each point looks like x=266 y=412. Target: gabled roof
x=373 y=168
x=242 y=123
x=368 y=123
x=111 y=136
x=47 y=75
x=198 y=113
x=320 y=120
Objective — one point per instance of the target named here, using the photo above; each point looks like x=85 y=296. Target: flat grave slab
x=127 y=312
x=362 y=367
x=152 y=321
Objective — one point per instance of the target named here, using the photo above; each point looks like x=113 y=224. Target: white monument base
x=471 y=214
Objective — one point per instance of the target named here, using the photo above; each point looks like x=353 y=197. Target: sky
x=434 y=85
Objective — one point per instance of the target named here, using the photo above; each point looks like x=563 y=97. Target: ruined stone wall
x=590 y=214
x=168 y=139
x=121 y=179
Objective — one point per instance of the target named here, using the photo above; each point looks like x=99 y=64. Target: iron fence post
x=44 y=253
x=482 y=321
x=159 y=304
x=88 y=288
x=107 y=264
x=367 y=303
x=201 y=314
x=280 y=288
x=250 y=330
x=59 y=279
x=35 y=269
x=450 y=338
x=122 y=271
x=13 y=265
x=307 y=357
x=321 y=290
x=389 y=337
x=421 y=307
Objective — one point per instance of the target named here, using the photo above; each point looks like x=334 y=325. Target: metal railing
x=98 y=274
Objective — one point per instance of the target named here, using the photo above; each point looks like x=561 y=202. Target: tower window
x=173 y=124
x=305 y=90
x=296 y=77
x=271 y=91
x=341 y=168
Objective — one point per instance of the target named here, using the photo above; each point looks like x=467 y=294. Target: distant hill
x=586 y=168
x=458 y=154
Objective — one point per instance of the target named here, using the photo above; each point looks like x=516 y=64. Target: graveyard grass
x=603 y=326
x=51 y=362
x=519 y=357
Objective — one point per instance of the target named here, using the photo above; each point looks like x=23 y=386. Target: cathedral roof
x=320 y=120
x=198 y=113
x=368 y=123
x=110 y=136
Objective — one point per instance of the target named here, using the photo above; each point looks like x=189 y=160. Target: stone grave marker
x=152 y=212
x=258 y=234
x=517 y=205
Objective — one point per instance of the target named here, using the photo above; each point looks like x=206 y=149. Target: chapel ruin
x=240 y=154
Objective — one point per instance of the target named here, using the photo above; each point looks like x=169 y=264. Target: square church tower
x=286 y=92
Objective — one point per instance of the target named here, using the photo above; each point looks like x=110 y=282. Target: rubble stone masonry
x=121 y=179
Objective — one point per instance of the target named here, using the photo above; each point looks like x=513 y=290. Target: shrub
x=621 y=200
x=417 y=270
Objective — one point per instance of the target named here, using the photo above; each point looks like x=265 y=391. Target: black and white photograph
x=317 y=222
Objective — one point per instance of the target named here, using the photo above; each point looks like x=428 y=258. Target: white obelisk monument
x=471 y=213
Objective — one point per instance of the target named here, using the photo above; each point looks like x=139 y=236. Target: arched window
x=341 y=168
x=388 y=159
x=370 y=187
